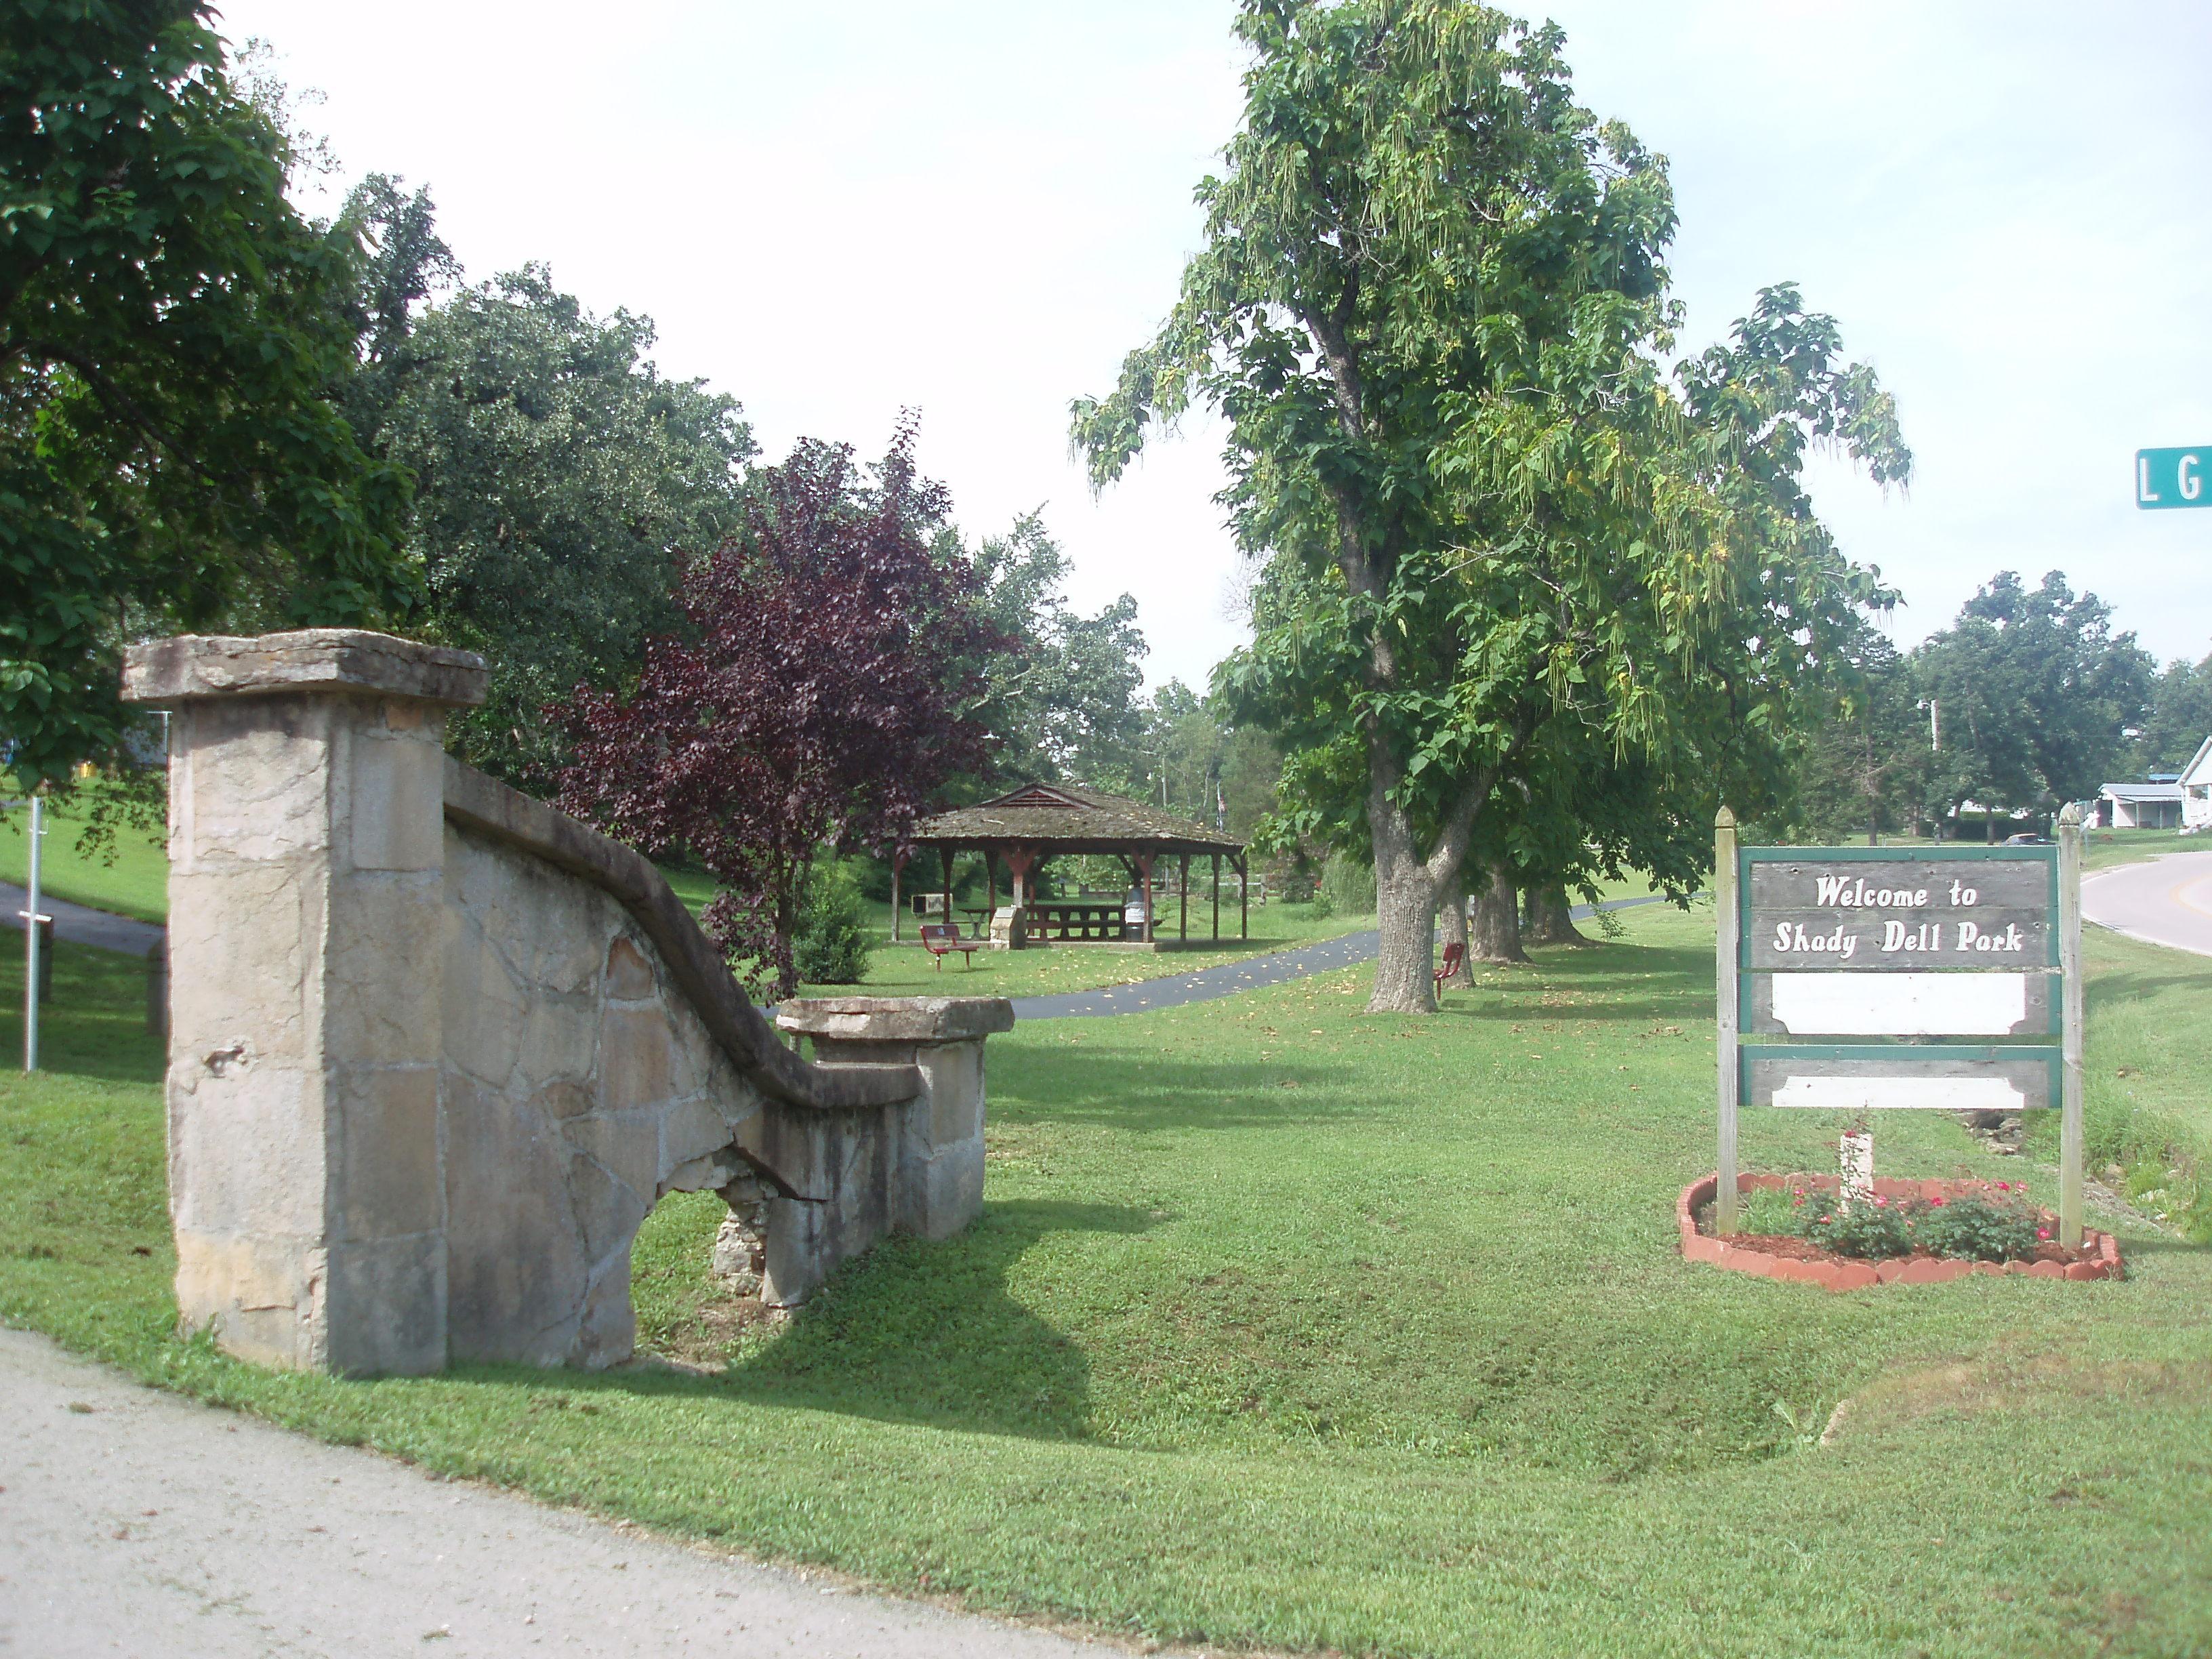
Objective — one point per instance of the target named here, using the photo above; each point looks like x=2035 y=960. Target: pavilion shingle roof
x=1068 y=818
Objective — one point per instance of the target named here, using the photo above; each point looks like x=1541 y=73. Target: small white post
x=31 y=920
x=1856 y=1154
x=1724 y=995
x=2069 y=969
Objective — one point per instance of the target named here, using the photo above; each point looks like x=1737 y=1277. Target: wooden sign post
x=1957 y=970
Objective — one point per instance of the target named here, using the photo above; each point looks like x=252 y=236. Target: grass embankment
x=133 y=882
x=1286 y=1325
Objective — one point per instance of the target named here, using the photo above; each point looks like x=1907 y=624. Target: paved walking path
x=138 y=1524
x=2166 y=900
x=1180 y=990
x=80 y=924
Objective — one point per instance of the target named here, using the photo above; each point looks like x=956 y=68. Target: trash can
x=1133 y=914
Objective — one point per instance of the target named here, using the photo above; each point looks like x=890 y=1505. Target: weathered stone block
x=944 y=1192
x=629 y=975
x=389 y=1180
x=259 y=996
x=386 y=1302
x=397 y=799
x=246 y=1150
x=637 y=1055
x=260 y=1293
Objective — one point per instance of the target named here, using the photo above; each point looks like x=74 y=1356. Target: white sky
x=976 y=208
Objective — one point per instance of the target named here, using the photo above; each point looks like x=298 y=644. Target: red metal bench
x=1455 y=953
x=941 y=938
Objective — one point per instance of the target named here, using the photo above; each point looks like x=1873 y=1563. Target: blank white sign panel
x=1946 y=1094
x=1900 y=1005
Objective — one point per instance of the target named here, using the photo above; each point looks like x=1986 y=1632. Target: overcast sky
x=976 y=208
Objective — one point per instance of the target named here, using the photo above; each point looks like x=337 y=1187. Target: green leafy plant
x=2002 y=1225
x=832 y=946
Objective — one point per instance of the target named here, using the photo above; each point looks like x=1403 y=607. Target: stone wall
x=436 y=1050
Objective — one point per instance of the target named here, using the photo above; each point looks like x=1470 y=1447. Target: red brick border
x=2103 y=1249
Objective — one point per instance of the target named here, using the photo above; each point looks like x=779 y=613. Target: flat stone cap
x=194 y=665
x=897 y=1019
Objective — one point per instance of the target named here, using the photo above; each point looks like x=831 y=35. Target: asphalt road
x=135 y=1523
x=77 y=923
x=2167 y=901
x=1227 y=978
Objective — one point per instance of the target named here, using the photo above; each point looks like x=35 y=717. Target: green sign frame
x=1956 y=1053
x=2166 y=479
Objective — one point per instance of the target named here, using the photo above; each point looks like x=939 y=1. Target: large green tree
x=2036 y=695
x=1432 y=311
x=2180 y=717
x=560 y=477
x=1062 y=701
x=172 y=341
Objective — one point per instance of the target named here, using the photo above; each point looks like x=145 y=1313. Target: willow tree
x=1432 y=311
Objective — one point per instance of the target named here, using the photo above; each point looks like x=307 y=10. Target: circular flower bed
x=1910 y=1232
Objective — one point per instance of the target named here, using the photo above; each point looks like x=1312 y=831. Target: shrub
x=1348 y=886
x=832 y=944
x=2002 y=1226
x=1320 y=907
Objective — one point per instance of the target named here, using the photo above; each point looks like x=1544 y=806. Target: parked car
x=2028 y=841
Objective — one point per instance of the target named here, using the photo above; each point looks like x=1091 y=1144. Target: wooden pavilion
x=1025 y=828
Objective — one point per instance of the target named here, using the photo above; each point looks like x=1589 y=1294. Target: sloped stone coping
x=2103 y=1251
x=166 y=672
x=491 y=808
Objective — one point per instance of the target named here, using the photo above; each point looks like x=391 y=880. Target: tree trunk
x=1551 y=921
x=1453 y=911
x=1494 y=930
x=1406 y=912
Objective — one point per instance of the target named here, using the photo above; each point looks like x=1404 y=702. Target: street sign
x=1931 y=953
x=2173 y=477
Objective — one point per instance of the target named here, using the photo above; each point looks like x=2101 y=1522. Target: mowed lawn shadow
x=93 y=1023
x=1112 y=1085
x=926 y=1333
x=912 y=1332
x=1602 y=981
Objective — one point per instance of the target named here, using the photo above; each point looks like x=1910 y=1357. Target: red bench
x=941 y=938
x=1455 y=953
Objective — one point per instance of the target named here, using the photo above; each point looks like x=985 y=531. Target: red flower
x=2043 y=1233
x=1935 y=1203
x=2004 y=1185
x=1799 y=1200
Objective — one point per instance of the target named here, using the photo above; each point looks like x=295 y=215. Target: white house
x=2196 y=789
x=2139 y=806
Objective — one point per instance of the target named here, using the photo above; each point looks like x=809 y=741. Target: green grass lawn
x=133 y=882
x=1292 y=1327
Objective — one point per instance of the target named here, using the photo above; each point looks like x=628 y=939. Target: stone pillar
x=306 y=845
x=934 y=1166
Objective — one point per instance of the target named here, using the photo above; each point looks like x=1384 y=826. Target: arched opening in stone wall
x=695 y=1275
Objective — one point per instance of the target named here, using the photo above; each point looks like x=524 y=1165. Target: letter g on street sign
x=2173 y=477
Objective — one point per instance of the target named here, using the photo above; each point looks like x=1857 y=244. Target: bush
x=1319 y=907
x=1349 y=886
x=2003 y=1226
x=833 y=944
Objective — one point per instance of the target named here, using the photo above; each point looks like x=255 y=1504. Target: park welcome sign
x=1863 y=978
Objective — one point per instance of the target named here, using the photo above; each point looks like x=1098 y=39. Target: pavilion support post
x=898 y=865
x=944 y=855
x=1243 y=898
x=1217 y=898
x=1020 y=862
x=1144 y=863
x=1182 y=881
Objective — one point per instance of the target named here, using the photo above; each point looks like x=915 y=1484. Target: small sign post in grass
x=1945 y=978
